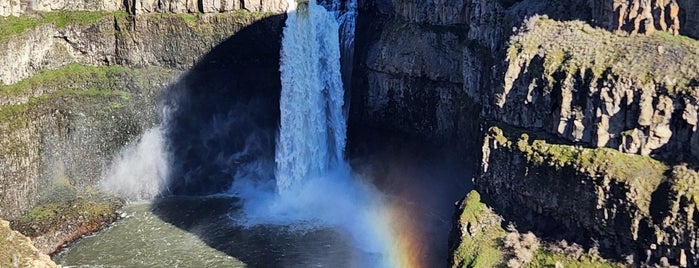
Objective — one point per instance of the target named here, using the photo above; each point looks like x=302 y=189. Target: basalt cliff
x=581 y=116
x=584 y=113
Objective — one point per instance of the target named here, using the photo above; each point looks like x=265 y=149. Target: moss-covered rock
x=477 y=241
x=16 y=250
x=69 y=123
x=631 y=205
x=65 y=214
x=635 y=93
x=481 y=241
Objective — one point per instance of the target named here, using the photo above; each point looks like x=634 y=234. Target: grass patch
x=546 y=258
x=479 y=245
x=685 y=182
x=482 y=243
x=10 y=26
x=19 y=115
x=72 y=76
x=64 y=205
x=576 y=49
x=642 y=174
x=202 y=20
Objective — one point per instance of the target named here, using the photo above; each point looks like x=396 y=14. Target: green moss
x=196 y=20
x=72 y=76
x=545 y=258
x=10 y=26
x=685 y=182
x=18 y=115
x=64 y=205
x=483 y=246
x=621 y=166
x=642 y=174
x=479 y=248
x=576 y=49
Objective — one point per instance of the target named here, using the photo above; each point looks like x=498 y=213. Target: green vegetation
x=196 y=20
x=546 y=258
x=574 y=48
x=10 y=26
x=487 y=244
x=17 y=115
x=64 y=205
x=74 y=83
x=685 y=182
x=72 y=76
x=642 y=174
x=480 y=247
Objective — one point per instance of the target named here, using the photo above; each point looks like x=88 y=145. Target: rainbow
x=398 y=234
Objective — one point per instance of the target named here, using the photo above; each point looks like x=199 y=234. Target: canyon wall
x=612 y=76
x=80 y=86
x=634 y=205
x=75 y=94
x=636 y=94
x=29 y=7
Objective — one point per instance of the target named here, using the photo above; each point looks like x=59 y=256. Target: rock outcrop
x=67 y=125
x=632 y=205
x=16 y=250
x=203 y=6
x=689 y=18
x=18 y=7
x=637 y=94
x=22 y=7
x=562 y=77
x=50 y=112
x=79 y=86
x=638 y=16
x=110 y=39
x=48 y=47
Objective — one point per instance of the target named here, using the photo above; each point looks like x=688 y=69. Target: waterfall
x=346 y=16
x=313 y=127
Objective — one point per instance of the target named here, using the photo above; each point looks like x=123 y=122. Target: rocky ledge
x=480 y=240
x=634 y=93
x=64 y=215
x=16 y=250
x=627 y=205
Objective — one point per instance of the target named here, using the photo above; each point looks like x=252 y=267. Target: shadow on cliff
x=224 y=110
x=219 y=117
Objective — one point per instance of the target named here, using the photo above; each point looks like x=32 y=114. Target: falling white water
x=346 y=17
x=313 y=128
x=140 y=171
x=315 y=187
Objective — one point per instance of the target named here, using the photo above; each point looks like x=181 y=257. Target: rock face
x=135 y=41
x=438 y=75
x=410 y=74
x=61 y=131
x=633 y=205
x=54 y=127
x=203 y=6
x=16 y=250
x=47 y=47
x=17 y=7
x=639 y=16
x=433 y=12
x=689 y=18
x=600 y=89
x=20 y=7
